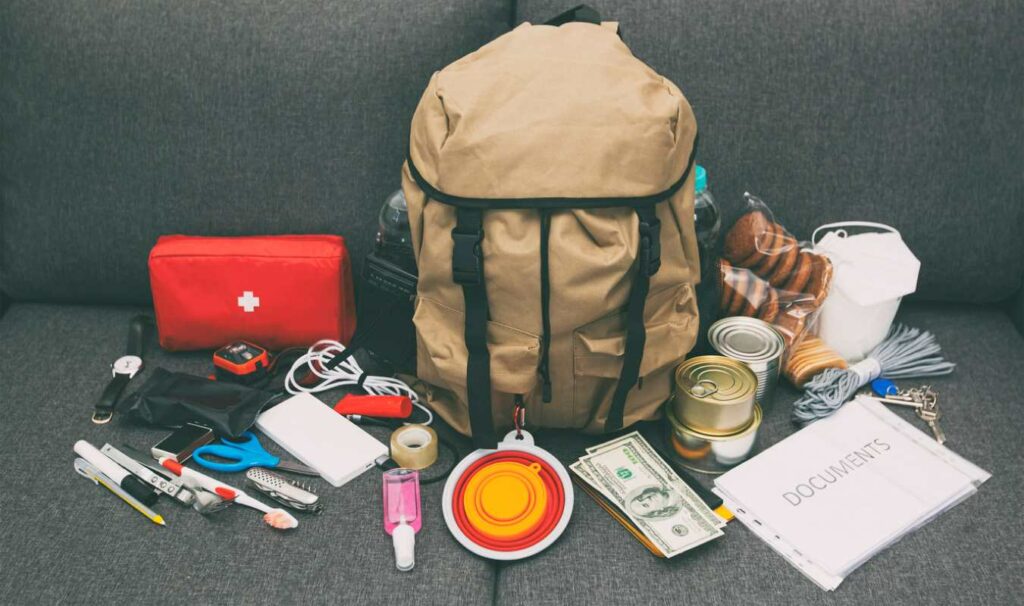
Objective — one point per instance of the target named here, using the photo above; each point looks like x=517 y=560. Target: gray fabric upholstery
x=68 y=541
x=908 y=113
x=1017 y=310
x=123 y=121
x=970 y=554
x=97 y=550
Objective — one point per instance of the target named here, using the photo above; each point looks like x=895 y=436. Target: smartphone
x=180 y=444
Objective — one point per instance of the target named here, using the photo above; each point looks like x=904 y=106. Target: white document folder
x=839 y=491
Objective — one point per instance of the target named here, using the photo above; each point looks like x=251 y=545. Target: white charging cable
x=346 y=374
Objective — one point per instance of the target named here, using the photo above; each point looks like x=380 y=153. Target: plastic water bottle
x=708 y=222
x=394 y=239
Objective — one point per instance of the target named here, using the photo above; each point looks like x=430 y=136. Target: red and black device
x=241 y=362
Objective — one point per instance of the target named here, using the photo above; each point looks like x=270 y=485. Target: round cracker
x=791 y=324
x=739 y=280
x=770 y=247
x=725 y=285
x=786 y=265
x=820 y=280
x=769 y=310
x=740 y=242
x=801 y=274
x=754 y=296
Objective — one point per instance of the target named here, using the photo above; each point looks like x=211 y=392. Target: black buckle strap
x=648 y=263
x=467 y=253
x=468 y=271
x=650 y=241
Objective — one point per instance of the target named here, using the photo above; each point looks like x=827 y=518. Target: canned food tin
x=709 y=453
x=714 y=395
x=755 y=343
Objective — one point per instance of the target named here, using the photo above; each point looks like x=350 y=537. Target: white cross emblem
x=248 y=301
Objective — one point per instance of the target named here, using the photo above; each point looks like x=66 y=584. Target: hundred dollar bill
x=655 y=505
x=584 y=475
x=664 y=469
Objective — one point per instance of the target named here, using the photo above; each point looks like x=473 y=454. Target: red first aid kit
x=278 y=291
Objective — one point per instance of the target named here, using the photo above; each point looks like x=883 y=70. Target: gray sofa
x=123 y=121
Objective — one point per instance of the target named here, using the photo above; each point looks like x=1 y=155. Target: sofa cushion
x=66 y=540
x=968 y=554
x=898 y=112
x=46 y=393
x=124 y=121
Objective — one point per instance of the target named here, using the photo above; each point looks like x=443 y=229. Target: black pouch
x=171 y=399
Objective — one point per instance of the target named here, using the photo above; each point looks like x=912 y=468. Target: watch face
x=127 y=365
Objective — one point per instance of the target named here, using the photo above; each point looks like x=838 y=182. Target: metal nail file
x=172 y=487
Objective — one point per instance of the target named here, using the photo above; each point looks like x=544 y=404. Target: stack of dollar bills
x=638 y=488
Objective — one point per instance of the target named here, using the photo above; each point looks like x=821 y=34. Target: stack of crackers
x=765 y=274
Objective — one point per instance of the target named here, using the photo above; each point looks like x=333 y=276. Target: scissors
x=245 y=453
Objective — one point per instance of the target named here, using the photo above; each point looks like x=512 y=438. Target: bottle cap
x=701 y=181
x=404 y=539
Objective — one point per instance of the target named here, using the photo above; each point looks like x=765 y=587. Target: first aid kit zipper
x=545 y=303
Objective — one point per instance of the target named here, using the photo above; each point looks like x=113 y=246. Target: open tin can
x=714 y=395
x=712 y=453
x=755 y=343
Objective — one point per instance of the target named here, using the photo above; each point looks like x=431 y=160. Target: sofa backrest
x=122 y=121
x=908 y=113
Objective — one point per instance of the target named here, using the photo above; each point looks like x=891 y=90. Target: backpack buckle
x=650 y=246
x=467 y=257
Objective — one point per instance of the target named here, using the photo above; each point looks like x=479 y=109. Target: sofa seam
x=495 y=583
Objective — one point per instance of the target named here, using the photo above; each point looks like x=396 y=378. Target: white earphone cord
x=346 y=374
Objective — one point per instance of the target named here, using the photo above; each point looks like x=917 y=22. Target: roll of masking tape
x=414 y=446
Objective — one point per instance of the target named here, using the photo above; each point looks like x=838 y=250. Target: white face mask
x=869 y=267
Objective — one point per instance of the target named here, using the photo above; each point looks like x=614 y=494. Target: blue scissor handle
x=239 y=455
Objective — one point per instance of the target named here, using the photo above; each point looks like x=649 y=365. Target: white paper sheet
x=837 y=492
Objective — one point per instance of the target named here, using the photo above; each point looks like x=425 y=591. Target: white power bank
x=313 y=433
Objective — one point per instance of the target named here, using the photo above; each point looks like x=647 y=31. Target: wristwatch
x=123 y=370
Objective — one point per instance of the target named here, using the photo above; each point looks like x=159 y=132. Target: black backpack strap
x=648 y=263
x=468 y=272
x=580 y=12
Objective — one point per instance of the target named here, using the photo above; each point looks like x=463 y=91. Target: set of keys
x=925 y=402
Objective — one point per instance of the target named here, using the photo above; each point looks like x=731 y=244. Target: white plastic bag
x=873 y=271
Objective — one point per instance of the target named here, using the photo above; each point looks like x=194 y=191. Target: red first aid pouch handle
x=389 y=407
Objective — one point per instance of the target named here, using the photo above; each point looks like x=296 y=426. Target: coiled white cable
x=346 y=374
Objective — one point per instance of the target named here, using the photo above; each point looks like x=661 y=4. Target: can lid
x=715 y=379
x=746 y=339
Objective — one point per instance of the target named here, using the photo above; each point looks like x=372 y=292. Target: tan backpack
x=550 y=197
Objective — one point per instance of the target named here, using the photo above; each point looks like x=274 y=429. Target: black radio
x=388 y=292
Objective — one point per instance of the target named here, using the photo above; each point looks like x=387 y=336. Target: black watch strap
x=108 y=399
x=138 y=330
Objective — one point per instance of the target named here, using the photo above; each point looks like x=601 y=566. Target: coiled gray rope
x=905 y=352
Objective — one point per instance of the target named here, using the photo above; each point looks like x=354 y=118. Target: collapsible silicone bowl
x=509 y=503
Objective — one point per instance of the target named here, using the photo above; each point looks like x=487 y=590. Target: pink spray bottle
x=402 y=518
